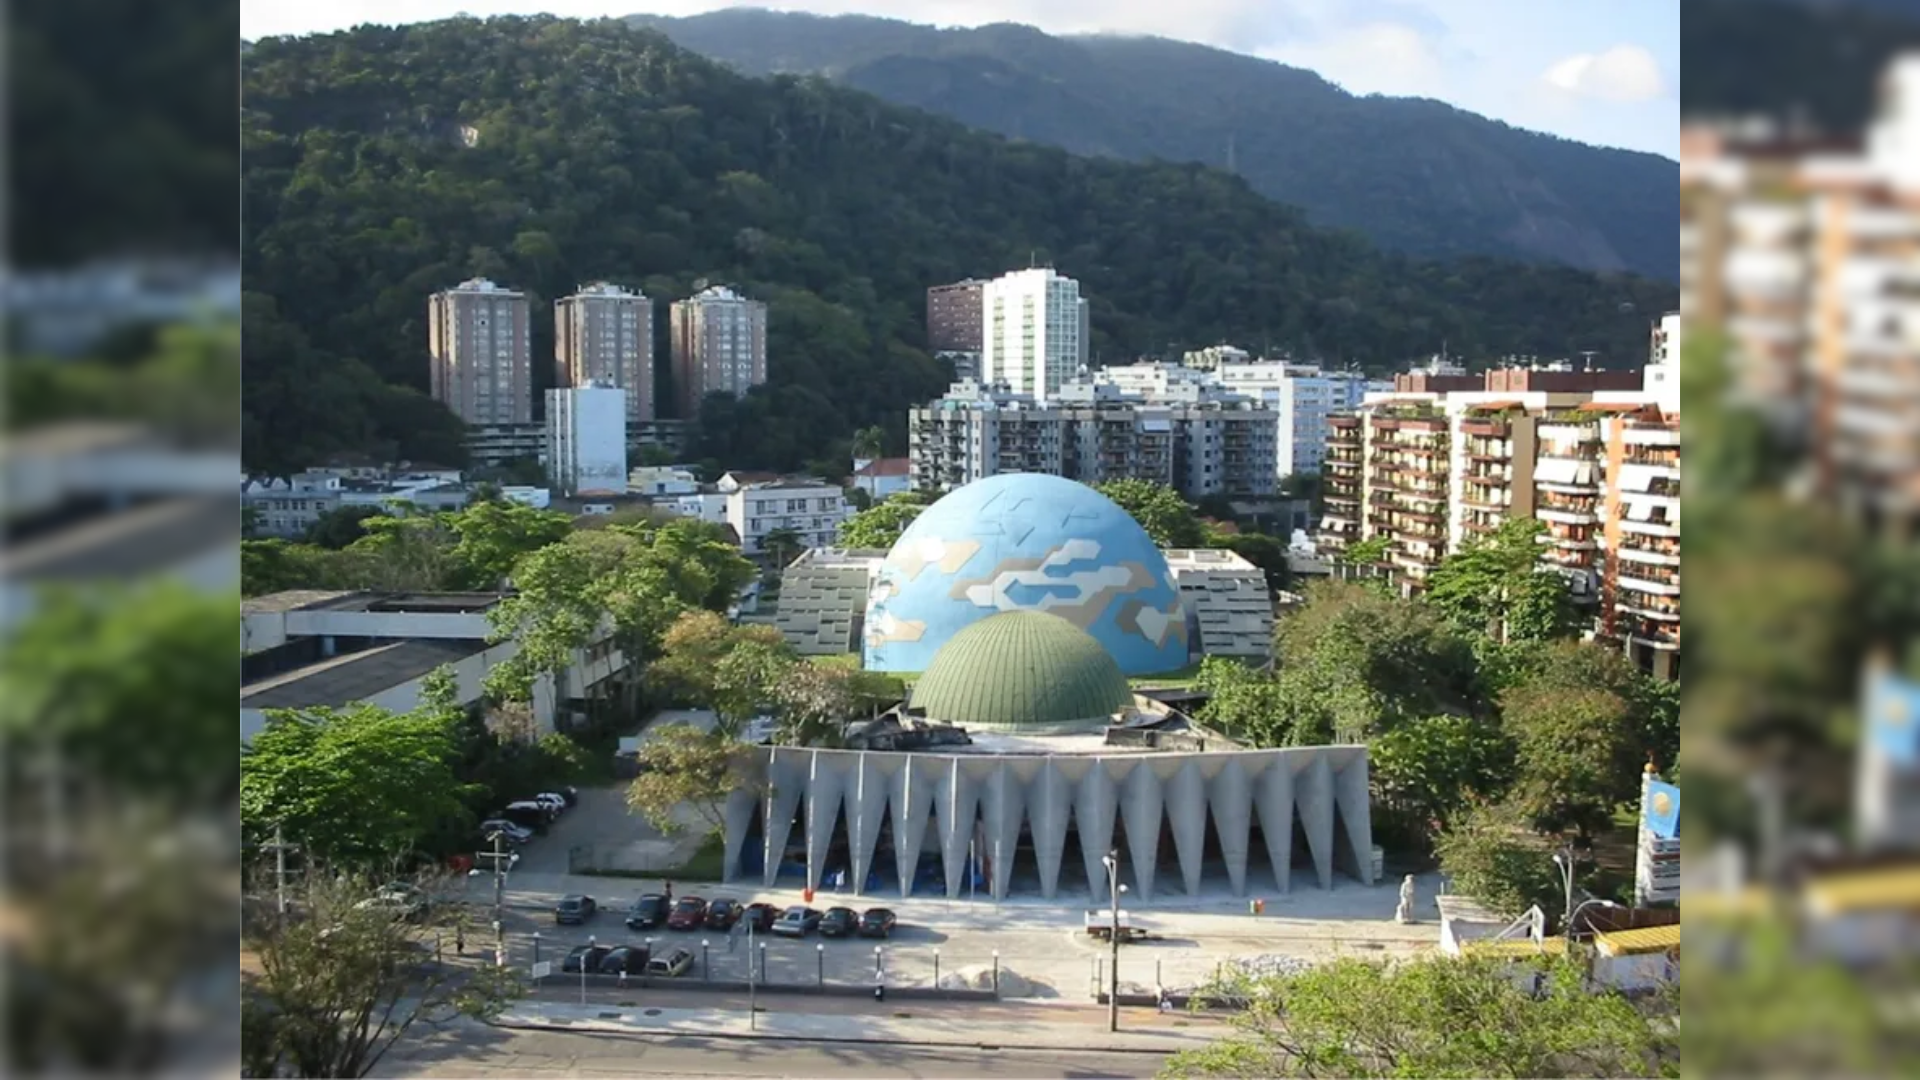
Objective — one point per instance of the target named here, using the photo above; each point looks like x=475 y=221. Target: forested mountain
x=1814 y=59
x=381 y=164
x=1414 y=175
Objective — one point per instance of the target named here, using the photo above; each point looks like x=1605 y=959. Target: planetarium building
x=1017 y=608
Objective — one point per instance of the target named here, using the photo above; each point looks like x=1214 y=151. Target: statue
x=1404 y=913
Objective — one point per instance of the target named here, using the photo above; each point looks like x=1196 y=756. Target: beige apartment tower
x=719 y=341
x=479 y=358
x=603 y=335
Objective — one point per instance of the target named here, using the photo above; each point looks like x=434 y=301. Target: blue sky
x=1599 y=71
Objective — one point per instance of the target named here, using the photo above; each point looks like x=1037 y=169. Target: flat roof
x=290 y=600
x=368 y=600
x=147 y=538
x=1646 y=939
x=342 y=680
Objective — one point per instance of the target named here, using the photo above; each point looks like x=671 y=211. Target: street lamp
x=585 y=959
x=1564 y=860
x=820 y=963
x=1584 y=905
x=1111 y=860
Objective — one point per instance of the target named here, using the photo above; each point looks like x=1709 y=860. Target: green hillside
x=1412 y=174
x=601 y=150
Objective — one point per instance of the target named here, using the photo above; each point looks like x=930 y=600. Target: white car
x=553 y=801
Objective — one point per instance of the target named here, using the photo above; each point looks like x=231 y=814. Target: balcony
x=1653 y=580
x=1566 y=509
x=1652 y=608
x=1484 y=497
x=1489 y=450
x=1496 y=427
x=1568 y=558
x=1768 y=224
x=1657 y=457
x=1568 y=539
x=1645 y=434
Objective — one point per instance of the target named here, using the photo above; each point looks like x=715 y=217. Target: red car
x=689 y=913
x=760 y=917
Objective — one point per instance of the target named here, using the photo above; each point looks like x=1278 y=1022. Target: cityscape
x=993 y=543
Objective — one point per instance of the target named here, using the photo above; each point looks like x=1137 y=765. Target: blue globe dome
x=1025 y=542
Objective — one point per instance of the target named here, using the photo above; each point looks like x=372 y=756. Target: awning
x=1611 y=406
x=1646 y=939
x=1884 y=890
x=1556 y=946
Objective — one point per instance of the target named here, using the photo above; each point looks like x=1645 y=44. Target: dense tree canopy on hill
x=1412 y=174
x=382 y=164
x=1819 y=61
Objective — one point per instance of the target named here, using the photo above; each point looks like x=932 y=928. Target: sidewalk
x=915 y=1023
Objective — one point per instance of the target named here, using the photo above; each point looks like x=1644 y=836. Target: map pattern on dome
x=1025 y=542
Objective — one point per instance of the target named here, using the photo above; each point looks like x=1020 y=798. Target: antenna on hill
x=1588 y=355
x=1033 y=258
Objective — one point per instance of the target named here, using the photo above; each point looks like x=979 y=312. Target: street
x=474 y=1050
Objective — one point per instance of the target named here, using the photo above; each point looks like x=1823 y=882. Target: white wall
x=587 y=436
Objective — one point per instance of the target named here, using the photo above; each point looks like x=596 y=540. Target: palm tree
x=870 y=443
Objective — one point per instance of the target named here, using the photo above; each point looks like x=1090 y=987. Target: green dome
x=1025 y=671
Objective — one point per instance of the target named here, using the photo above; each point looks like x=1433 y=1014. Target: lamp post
x=1584 y=905
x=820 y=964
x=752 y=1018
x=585 y=959
x=499 y=839
x=646 y=972
x=536 y=946
x=1111 y=860
x=1564 y=860
x=706 y=973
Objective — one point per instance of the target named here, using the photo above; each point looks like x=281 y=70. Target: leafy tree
x=1490 y=854
x=1265 y=552
x=880 y=525
x=747 y=681
x=684 y=770
x=355 y=787
x=693 y=648
x=1496 y=586
x=813 y=701
x=340 y=526
x=860 y=499
x=1369 y=552
x=89 y=661
x=1435 y=1016
x=782 y=545
x=492 y=535
x=1242 y=702
x=338 y=986
x=1431 y=769
x=1169 y=519
x=1576 y=756
x=1354 y=663
x=870 y=442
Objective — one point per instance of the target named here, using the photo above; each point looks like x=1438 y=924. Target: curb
x=588 y=1028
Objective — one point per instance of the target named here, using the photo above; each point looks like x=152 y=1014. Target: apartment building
x=1593 y=456
x=1302 y=396
x=1211 y=357
x=956 y=316
x=719 y=345
x=587 y=436
x=1197 y=440
x=479 y=354
x=811 y=509
x=603 y=334
x=1035 y=332
x=498 y=444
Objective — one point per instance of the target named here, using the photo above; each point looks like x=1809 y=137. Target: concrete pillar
x=738 y=815
x=1002 y=804
x=1273 y=797
x=1186 y=797
x=866 y=810
x=788 y=771
x=1048 y=804
x=826 y=771
x=1140 y=808
x=958 y=804
x=1351 y=792
x=914 y=787
x=1313 y=801
x=1230 y=795
x=1093 y=811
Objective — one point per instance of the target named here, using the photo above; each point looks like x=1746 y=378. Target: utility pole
x=1113 y=940
x=280 y=868
x=753 y=1012
x=500 y=900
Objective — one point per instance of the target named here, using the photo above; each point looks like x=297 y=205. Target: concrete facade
x=993 y=799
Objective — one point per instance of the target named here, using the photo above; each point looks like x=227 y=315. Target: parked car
x=670 y=965
x=624 y=960
x=570 y=793
x=529 y=814
x=689 y=912
x=589 y=956
x=760 y=917
x=514 y=832
x=722 y=914
x=877 y=922
x=797 y=921
x=551 y=801
x=648 y=913
x=398 y=899
x=574 y=909
x=839 y=922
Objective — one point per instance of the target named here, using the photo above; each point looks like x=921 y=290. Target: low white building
x=812 y=509
x=312 y=649
x=883 y=477
x=657 y=481
x=707 y=506
x=587 y=439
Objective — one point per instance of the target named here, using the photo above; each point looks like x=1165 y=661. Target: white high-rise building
x=587 y=439
x=604 y=334
x=1034 y=332
x=1302 y=396
x=478 y=353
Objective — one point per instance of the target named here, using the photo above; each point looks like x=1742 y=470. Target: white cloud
x=1624 y=73
x=1377 y=58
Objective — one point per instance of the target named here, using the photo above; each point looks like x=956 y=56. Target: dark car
x=722 y=914
x=624 y=960
x=571 y=794
x=877 y=922
x=838 y=922
x=573 y=909
x=648 y=913
x=797 y=921
x=760 y=917
x=592 y=956
x=689 y=912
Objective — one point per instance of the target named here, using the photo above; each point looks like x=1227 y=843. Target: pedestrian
x=1166 y=1001
x=669 y=891
x=460 y=939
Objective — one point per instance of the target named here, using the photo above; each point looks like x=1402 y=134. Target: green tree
x=870 y=442
x=1369 y=552
x=1490 y=854
x=747 y=681
x=781 y=545
x=337 y=987
x=490 y=537
x=881 y=524
x=1576 y=755
x=1496 y=586
x=693 y=647
x=813 y=701
x=1429 y=770
x=1265 y=552
x=355 y=787
x=1435 y=1016
x=340 y=527
x=1242 y=702
x=1170 y=520
x=686 y=771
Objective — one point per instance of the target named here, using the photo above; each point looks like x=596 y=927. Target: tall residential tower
x=719 y=343
x=1035 y=333
x=604 y=334
x=479 y=356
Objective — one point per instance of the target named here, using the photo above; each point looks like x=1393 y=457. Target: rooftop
x=343 y=680
x=892 y=466
x=438 y=603
x=146 y=538
x=1026 y=671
